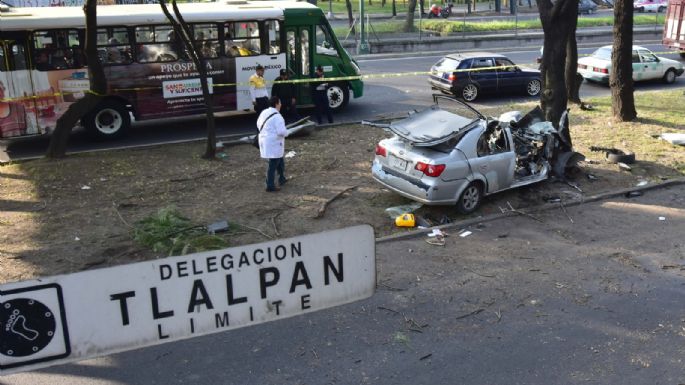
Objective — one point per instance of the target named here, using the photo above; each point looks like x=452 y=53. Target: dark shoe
x=282 y=182
x=273 y=189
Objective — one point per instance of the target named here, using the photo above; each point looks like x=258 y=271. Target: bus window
x=57 y=50
x=290 y=50
x=324 y=42
x=158 y=43
x=242 y=38
x=206 y=39
x=304 y=51
x=273 y=29
x=114 y=46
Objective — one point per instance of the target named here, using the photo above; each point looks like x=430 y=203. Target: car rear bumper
x=438 y=85
x=429 y=194
x=595 y=76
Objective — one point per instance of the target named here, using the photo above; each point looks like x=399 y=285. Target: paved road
x=383 y=96
x=596 y=301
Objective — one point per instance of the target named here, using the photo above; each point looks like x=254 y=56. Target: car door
x=509 y=77
x=495 y=160
x=297 y=59
x=652 y=66
x=639 y=70
x=484 y=74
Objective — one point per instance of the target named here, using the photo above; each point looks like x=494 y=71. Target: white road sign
x=92 y=313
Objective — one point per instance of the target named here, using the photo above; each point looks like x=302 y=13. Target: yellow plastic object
x=405 y=220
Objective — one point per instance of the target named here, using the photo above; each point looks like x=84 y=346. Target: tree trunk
x=383 y=3
x=394 y=8
x=421 y=7
x=350 y=17
x=557 y=25
x=183 y=31
x=409 y=22
x=98 y=88
x=621 y=77
x=573 y=78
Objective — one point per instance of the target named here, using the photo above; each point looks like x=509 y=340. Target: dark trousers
x=322 y=107
x=289 y=112
x=275 y=165
x=261 y=104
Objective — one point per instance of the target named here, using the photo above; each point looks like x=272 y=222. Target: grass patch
x=172 y=234
x=446 y=27
x=597 y=128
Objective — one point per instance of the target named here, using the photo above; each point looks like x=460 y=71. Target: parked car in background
x=468 y=75
x=454 y=155
x=586 y=6
x=650 y=5
x=646 y=66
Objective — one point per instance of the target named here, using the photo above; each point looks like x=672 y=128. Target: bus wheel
x=338 y=96
x=109 y=120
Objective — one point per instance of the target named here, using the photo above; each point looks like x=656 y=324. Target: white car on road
x=646 y=66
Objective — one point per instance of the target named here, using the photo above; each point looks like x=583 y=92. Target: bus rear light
x=582 y=66
x=432 y=170
x=380 y=151
x=602 y=70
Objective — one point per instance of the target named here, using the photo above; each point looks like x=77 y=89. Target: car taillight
x=582 y=66
x=433 y=170
x=452 y=77
x=380 y=150
x=603 y=70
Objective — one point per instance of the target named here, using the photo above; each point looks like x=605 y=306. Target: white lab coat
x=272 y=135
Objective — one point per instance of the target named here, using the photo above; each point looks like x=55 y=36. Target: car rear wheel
x=533 y=87
x=108 y=120
x=641 y=9
x=661 y=9
x=669 y=76
x=469 y=92
x=470 y=198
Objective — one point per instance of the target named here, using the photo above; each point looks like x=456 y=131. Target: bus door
x=298 y=59
x=18 y=110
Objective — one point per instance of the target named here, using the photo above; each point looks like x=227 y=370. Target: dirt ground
x=78 y=213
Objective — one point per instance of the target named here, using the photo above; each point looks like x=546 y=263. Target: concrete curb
x=545 y=207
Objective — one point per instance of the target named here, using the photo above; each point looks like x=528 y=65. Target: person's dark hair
x=274 y=100
x=259 y=67
x=319 y=68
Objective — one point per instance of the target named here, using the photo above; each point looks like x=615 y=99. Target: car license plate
x=398 y=163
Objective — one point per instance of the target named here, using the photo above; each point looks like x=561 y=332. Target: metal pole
x=363 y=47
x=330 y=9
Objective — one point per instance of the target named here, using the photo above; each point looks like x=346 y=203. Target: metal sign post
x=93 y=313
x=363 y=46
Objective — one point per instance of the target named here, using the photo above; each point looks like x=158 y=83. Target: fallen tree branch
x=257 y=230
x=273 y=222
x=323 y=207
x=205 y=175
x=470 y=314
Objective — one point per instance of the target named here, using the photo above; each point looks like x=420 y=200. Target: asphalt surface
x=594 y=295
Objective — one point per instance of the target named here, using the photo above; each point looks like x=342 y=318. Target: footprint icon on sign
x=17 y=324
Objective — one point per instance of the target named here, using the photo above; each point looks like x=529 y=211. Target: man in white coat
x=272 y=133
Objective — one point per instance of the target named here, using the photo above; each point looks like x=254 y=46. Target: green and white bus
x=149 y=75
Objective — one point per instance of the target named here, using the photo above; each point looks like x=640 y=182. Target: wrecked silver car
x=440 y=157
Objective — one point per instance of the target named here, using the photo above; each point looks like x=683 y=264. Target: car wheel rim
x=471 y=198
x=534 y=87
x=335 y=97
x=470 y=92
x=108 y=121
x=670 y=76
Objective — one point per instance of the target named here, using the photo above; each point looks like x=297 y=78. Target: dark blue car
x=469 y=75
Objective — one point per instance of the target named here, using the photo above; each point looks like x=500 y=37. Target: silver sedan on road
x=455 y=155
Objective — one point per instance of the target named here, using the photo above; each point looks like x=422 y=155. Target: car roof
x=634 y=47
x=471 y=55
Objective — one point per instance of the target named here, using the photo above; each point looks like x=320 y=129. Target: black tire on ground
x=669 y=76
x=469 y=93
x=109 y=120
x=470 y=198
x=618 y=156
x=338 y=96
